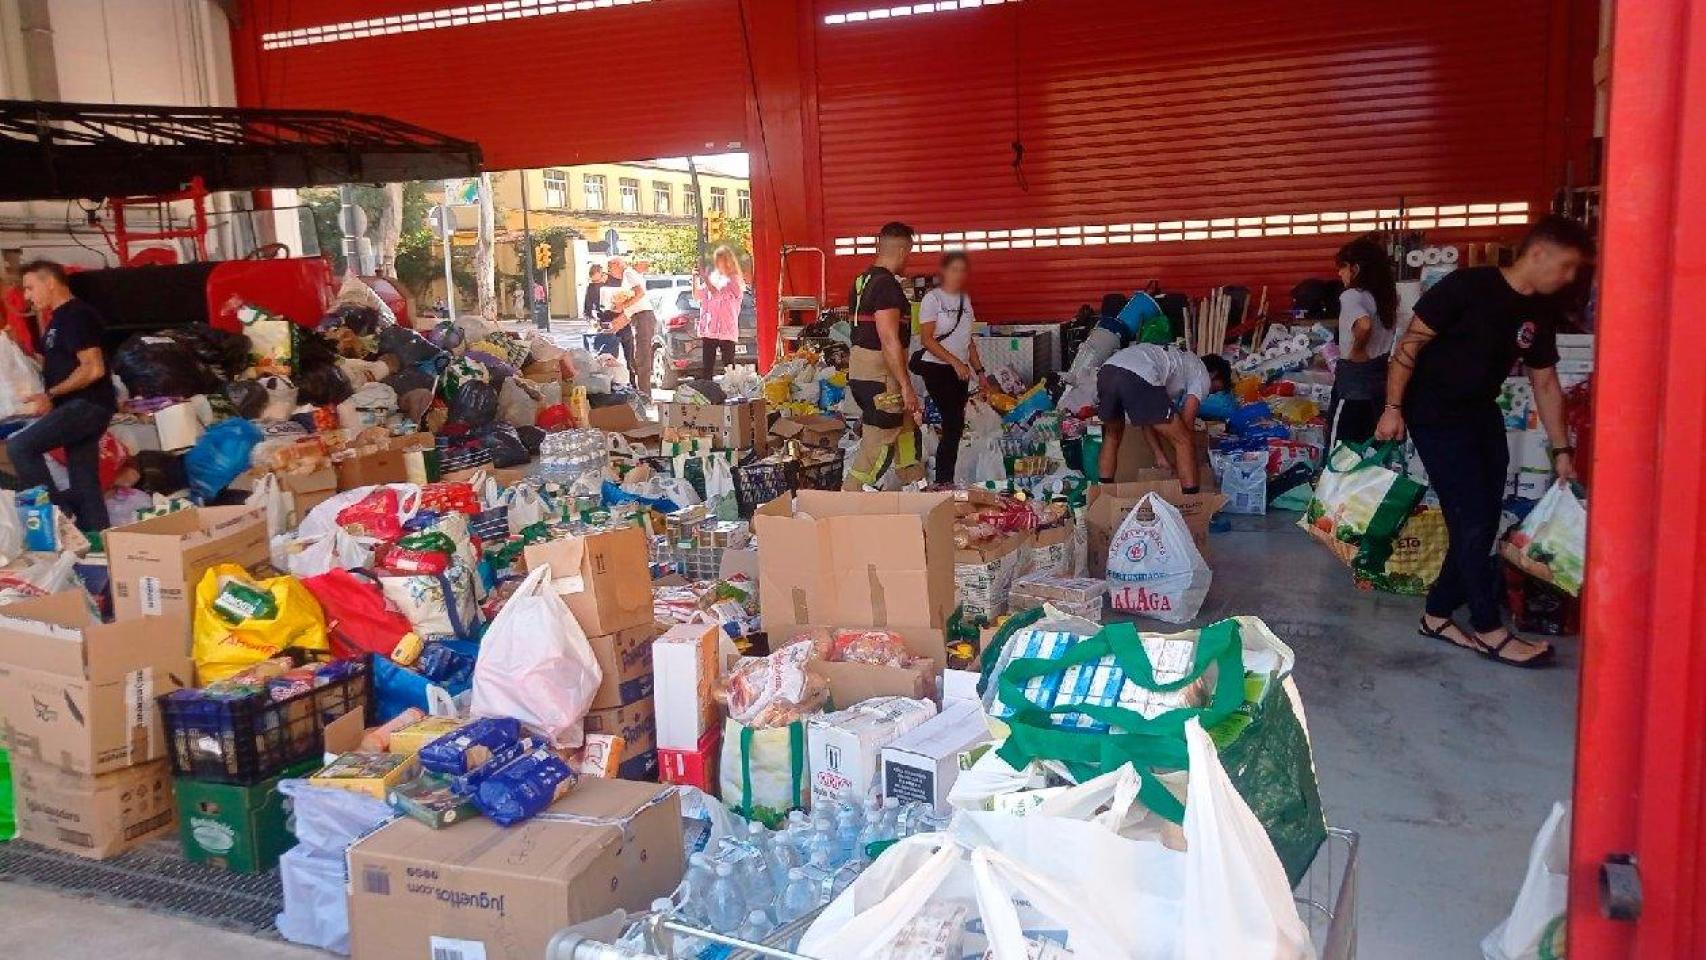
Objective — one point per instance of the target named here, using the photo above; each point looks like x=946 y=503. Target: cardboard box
x=240 y=828
x=478 y=890
x=735 y=426
x=625 y=660
x=615 y=417
x=410 y=739
x=922 y=764
x=95 y=817
x=373 y=774
x=156 y=563
x=79 y=694
x=692 y=768
x=983 y=574
x=635 y=723
x=367 y=469
x=1110 y=502
x=844 y=749
x=684 y=671
x=817 y=430
x=543 y=371
x=851 y=683
x=1137 y=460
x=959 y=685
x=604 y=578
x=857 y=560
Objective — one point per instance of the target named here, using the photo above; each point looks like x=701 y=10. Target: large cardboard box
x=79 y=694
x=922 y=764
x=625 y=661
x=736 y=426
x=844 y=749
x=616 y=417
x=851 y=683
x=857 y=560
x=817 y=430
x=1110 y=502
x=1137 y=458
x=478 y=890
x=366 y=469
x=604 y=578
x=156 y=563
x=96 y=817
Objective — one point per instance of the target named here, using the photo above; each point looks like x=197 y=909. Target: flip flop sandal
x=1440 y=634
x=1542 y=659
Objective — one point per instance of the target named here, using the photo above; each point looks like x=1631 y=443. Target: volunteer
x=1368 y=311
x=1142 y=385
x=719 y=294
x=79 y=401
x=634 y=314
x=1443 y=387
x=947 y=361
x=876 y=369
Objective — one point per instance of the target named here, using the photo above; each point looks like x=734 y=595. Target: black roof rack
x=69 y=151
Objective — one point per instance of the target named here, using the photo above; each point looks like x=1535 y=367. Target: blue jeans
x=76 y=425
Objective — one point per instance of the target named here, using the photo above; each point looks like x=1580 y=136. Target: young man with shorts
x=1157 y=388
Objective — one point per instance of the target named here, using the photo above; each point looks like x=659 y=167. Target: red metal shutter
x=535 y=82
x=1173 y=117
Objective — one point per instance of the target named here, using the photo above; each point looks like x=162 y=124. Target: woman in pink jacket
x=719 y=296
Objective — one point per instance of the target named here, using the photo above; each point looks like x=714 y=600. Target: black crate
x=823 y=476
x=756 y=484
x=490 y=525
x=246 y=741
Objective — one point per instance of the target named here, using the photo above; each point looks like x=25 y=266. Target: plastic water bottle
x=753 y=871
x=755 y=928
x=682 y=947
x=820 y=874
x=879 y=828
x=799 y=897
x=726 y=905
x=821 y=844
x=846 y=834
x=701 y=878
x=782 y=859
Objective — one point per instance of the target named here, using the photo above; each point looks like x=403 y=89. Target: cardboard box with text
x=605 y=579
x=95 y=817
x=1110 y=502
x=735 y=426
x=625 y=663
x=922 y=764
x=156 y=563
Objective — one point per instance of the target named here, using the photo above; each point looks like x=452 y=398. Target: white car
x=663 y=292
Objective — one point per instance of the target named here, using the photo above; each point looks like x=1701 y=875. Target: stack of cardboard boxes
x=687 y=661
x=605 y=580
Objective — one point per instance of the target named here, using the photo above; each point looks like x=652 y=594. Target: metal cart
x=1326 y=900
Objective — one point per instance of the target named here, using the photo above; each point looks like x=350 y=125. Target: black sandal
x=1541 y=659
x=1438 y=633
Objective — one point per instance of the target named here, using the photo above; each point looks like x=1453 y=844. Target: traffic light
x=716 y=222
x=541 y=256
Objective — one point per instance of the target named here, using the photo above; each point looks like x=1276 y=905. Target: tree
x=322 y=203
x=420 y=264
x=485 y=263
x=675 y=248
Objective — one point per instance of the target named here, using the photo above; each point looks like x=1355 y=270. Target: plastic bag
x=219 y=456
x=11 y=528
x=1243 y=478
x=762 y=772
x=376 y=516
x=475 y=404
x=504 y=443
x=371 y=406
x=323 y=519
x=1154 y=567
x=320 y=554
x=327 y=820
x=1551 y=542
x=279 y=504
x=358 y=618
x=1535 y=927
x=517 y=405
x=438 y=605
x=41 y=576
x=1360 y=505
x=980 y=458
x=227 y=641
x=281 y=398
x=720 y=499
x=158 y=366
x=526 y=507
x=536 y=665
x=1224 y=895
x=19 y=378
x=407 y=346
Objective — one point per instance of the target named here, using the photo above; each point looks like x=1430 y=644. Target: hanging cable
x=1018 y=128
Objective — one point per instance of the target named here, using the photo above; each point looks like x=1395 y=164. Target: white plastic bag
x=11 y=528
x=526 y=507
x=535 y=664
x=1243 y=478
x=281 y=506
x=40 y=576
x=327 y=820
x=316 y=909
x=1537 y=916
x=720 y=489
x=517 y=404
x=1551 y=543
x=320 y=554
x=19 y=378
x=1099 y=894
x=980 y=459
x=323 y=519
x=1154 y=567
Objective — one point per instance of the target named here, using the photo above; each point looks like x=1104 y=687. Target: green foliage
x=324 y=203
x=419 y=263
x=675 y=248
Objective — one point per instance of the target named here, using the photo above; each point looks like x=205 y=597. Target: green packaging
x=430 y=799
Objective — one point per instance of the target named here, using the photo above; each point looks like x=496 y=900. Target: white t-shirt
x=1172 y=369
x=634 y=280
x=953 y=328
x=1353 y=305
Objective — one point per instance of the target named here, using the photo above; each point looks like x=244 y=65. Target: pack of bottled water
x=567 y=454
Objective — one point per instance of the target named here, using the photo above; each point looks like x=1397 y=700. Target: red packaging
x=357 y=617
x=374 y=515
x=450 y=497
x=692 y=768
x=553 y=417
x=404 y=560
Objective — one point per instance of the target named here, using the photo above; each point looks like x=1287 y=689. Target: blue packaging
x=524 y=788
x=468 y=783
x=469 y=746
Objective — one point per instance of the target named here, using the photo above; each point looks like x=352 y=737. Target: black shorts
x=1122 y=393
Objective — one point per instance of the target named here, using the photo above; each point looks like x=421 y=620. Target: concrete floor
x=1445 y=763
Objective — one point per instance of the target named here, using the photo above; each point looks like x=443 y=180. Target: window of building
x=743 y=203
x=690 y=202
x=593 y=186
x=719 y=200
x=630 y=195
x=556 y=189
x=663 y=198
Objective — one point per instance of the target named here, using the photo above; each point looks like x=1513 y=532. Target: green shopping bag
x=1360 y=504
x=1250 y=718
x=762 y=775
x=8 y=819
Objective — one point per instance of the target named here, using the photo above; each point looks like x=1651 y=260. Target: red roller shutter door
x=536 y=82
x=1188 y=120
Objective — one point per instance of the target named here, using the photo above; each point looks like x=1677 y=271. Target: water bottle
x=846 y=834
x=891 y=818
x=726 y=905
x=820 y=874
x=821 y=843
x=753 y=871
x=799 y=897
x=701 y=878
x=682 y=947
x=782 y=859
x=877 y=830
x=755 y=928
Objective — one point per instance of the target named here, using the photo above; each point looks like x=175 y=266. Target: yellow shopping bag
x=1418 y=552
x=240 y=621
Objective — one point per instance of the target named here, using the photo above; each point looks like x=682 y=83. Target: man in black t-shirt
x=876 y=369
x=79 y=400
x=1443 y=384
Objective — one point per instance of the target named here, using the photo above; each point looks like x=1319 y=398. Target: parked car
x=677 y=351
x=663 y=293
